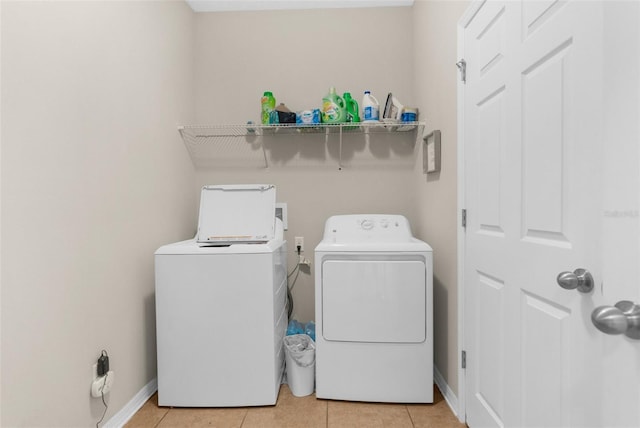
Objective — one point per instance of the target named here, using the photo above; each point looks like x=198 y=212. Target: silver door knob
x=623 y=318
x=579 y=279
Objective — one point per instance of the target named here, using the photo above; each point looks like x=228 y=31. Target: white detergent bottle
x=370 y=108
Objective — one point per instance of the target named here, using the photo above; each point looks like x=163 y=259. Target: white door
x=621 y=216
x=537 y=175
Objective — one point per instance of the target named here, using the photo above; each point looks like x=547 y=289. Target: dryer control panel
x=367 y=227
x=368 y=223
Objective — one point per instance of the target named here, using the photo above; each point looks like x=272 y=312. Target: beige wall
x=94 y=179
x=435 y=46
x=413 y=56
x=298 y=55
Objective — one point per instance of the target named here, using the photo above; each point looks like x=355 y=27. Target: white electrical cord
x=103 y=402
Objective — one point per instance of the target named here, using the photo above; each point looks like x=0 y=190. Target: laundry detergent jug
x=351 y=105
x=333 y=108
x=268 y=104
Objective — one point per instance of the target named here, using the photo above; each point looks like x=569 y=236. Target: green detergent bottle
x=333 y=108
x=352 y=108
x=268 y=104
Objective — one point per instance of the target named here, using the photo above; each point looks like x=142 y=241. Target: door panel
x=545 y=361
x=544 y=98
x=536 y=13
x=491 y=137
x=491 y=41
x=490 y=345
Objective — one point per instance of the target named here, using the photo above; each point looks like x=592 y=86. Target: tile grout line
x=247 y=412
x=162 y=418
x=406 y=408
x=327 y=412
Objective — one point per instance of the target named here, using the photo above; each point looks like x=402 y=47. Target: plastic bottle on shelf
x=370 y=108
x=333 y=108
x=268 y=103
x=351 y=105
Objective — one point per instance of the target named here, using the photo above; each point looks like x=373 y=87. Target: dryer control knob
x=366 y=224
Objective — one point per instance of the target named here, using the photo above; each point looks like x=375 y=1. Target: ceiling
x=238 y=5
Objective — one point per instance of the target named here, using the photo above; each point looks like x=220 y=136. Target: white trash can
x=300 y=354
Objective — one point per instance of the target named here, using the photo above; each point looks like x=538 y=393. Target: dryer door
x=374 y=301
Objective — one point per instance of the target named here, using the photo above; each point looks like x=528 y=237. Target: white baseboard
x=122 y=417
x=447 y=393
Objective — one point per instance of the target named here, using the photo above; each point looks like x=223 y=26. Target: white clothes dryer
x=374 y=311
x=220 y=304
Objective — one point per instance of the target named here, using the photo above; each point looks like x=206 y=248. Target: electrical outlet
x=299 y=242
x=281 y=213
x=303 y=261
x=102 y=377
x=103 y=384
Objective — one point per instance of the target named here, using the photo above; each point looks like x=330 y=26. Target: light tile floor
x=294 y=412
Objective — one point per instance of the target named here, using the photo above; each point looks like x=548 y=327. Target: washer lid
x=237 y=214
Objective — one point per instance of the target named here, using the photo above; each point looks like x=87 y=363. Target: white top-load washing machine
x=374 y=330
x=220 y=303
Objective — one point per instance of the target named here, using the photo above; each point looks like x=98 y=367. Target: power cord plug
x=103 y=364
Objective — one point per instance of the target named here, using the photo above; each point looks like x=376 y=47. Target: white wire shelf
x=251 y=145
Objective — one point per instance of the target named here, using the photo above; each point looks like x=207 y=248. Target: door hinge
x=462 y=66
x=464 y=218
x=464 y=359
